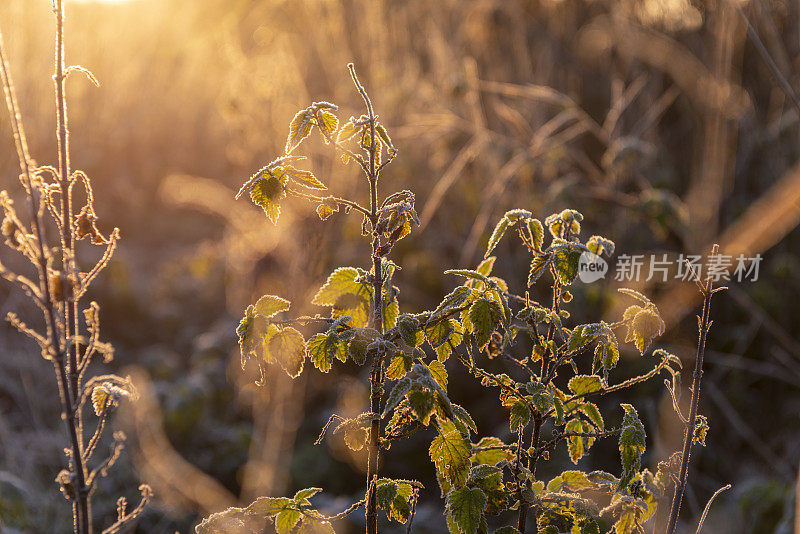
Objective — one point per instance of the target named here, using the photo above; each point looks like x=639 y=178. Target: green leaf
x=305 y=493
x=497 y=234
x=507 y=530
x=537 y=233
x=270 y=305
x=422 y=404
x=323 y=348
x=409 y=329
x=357 y=348
x=644 y=325
x=304 y=178
x=478 y=472
x=286 y=521
x=607 y=354
x=346 y=296
x=386 y=491
x=287 y=347
x=484 y=315
x=565 y=261
x=269 y=506
x=401 y=509
x=266 y=193
x=600 y=245
x=399 y=366
x=541 y=396
x=520 y=415
x=510 y=218
x=299 y=129
x=451 y=301
x=538 y=265
x=464 y=417
x=465 y=507
x=631 y=445
x=439 y=373
x=584 y=384
x=440 y=331
x=327 y=122
x=391 y=310
x=591 y=411
x=399 y=391
x=491 y=456
x=485 y=267
x=450 y=452
x=578 y=445
x=626 y=524
x=348 y=131
x=468 y=273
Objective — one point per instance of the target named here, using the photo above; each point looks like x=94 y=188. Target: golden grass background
x=658 y=119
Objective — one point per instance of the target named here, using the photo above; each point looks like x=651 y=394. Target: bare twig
x=704 y=324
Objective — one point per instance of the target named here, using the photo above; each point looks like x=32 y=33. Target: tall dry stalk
x=58 y=291
x=691 y=423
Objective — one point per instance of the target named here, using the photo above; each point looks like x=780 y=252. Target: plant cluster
x=58 y=213
x=544 y=372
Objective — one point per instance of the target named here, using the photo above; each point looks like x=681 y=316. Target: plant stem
x=68 y=371
x=680 y=485
x=376 y=375
x=523 y=508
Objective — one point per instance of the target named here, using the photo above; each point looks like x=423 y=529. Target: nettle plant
x=58 y=213
x=550 y=371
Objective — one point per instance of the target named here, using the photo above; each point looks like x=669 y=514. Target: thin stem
x=316 y=198
x=376 y=376
x=69 y=375
x=523 y=507
x=81 y=519
x=680 y=484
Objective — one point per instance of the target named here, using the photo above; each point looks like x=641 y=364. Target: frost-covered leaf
x=287 y=347
x=520 y=415
x=497 y=451
x=304 y=178
x=439 y=373
x=299 y=129
x=450 y=452
x=631 y=444
x=313 y=525
x=583 y=384
x=600 y=245
x=270 y=305
x=485 y=266
x=267 y=193
x=644 y=325
x=440 y=331
x=578 y=445
x=538 y=265
x=565 y=261
x=286 y=521
x=348 y=131
x=465 y=507
x=537 y=233
x=484 y=314
x=269 y=506
x=327 y=122
x=509 y=219
x=346 y=295
x=397 y=394
x=323 y=348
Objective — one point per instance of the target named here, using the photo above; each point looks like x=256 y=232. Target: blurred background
x=662 y=121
